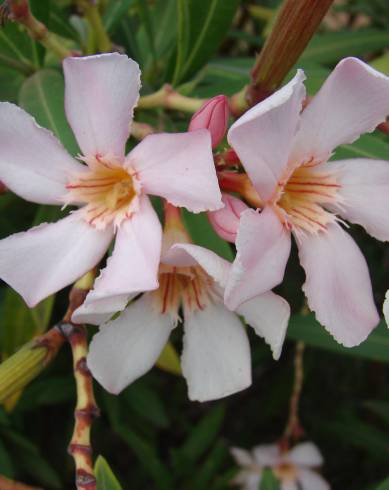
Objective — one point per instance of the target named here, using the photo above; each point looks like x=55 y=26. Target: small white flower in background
x=294 y=469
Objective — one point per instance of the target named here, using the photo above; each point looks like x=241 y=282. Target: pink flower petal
x=338 y=286
x=216 y=354
x=310 y=480
x=49 y=257
x=128 y=347
x=132 y=267
x=305 y=454
x=263 y=136
x=33 y=163
x=213 y=115
x=187 y=255
x=101 y=92
x=364 y=192
x=353 y=100
x=180 y=168
x=242 y=456
x=386 y=308
x=263 y=248
x=225 y=221
x=268 y=314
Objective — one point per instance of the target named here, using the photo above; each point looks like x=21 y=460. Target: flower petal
x=364 y=192
x=263 y=248
x=305 y=454
x=49 y=257
x=132 y=267
x=33 y=163
x=187 y=255
x=310 y=480
x=263 y=136
x=268 y=314
x=101 y=92
x=216 y=354
x=386 y=308
x=242 y=457
x=338 y=286
x=180 y=168
x=353 y=100
x=126 y=348
x=267 y=454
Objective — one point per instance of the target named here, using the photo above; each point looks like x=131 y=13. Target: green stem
x=166 y=97
x=93 y=16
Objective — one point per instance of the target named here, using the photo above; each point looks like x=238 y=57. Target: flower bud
x=225 y=221
x=213 y=115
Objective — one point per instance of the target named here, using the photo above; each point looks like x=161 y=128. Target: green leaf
x=115 y=13
x=6 y=465
x=367 y=146
x=383 y=485
x=268 y=481
x=42 y=95
x=210 y=467
x=17 y=50
x=169 y=360
x=330 y=47
x=202 y=25
x=307 y=329
x=105 y=478
x=203 y=234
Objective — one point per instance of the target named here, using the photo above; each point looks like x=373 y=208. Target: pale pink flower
x=213 y=115
x=285 y=153
x=294 y=469
x=226 y=221
x=216 y=353
x=111 y=189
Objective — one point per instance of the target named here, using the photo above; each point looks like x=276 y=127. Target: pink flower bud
x=213 y=115
x=225 y=221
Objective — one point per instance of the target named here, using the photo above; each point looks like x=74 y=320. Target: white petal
x=49 y=257
x=309 y=480
x=242 y=456
x=338 y=286
x=33 y=163
x=187 y=255
x=101 y=92
x=263 y=248
x=216 y=354
x=305 y=454
x=386 y=307
x=128 y=347
x=268 y=314
x=267 y=454
x=364 y=192
x=132 y=267
x=353 y=100
x=263 y=136
x=180 y=168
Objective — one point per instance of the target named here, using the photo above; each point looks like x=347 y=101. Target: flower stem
x=293 y=428
x=92 y=14
x=20 y=12
x=86 y=409
x=168 y=98
x=295 y=24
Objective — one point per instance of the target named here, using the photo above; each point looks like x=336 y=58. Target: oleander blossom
x=110 y=189
x=216 y=354
x=294 y=469
x=285 y=152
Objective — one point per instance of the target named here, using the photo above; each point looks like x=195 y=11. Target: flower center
x=285 y=472
x=301 y=198
x=107 y=190
x=190 y=287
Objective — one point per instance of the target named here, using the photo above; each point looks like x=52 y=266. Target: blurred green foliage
x=153 y=437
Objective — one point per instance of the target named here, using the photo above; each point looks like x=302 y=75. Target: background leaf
x=106 y=480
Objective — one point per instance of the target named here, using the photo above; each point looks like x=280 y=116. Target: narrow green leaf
x=207 y=22
x=330 y=47
x=367 y=146
x=105 y=478
x=42 y=95
x=307 y=329
x=268 y=481
x=6 y=465
x=145 y=402
x=183 y=19
x=115 y=13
